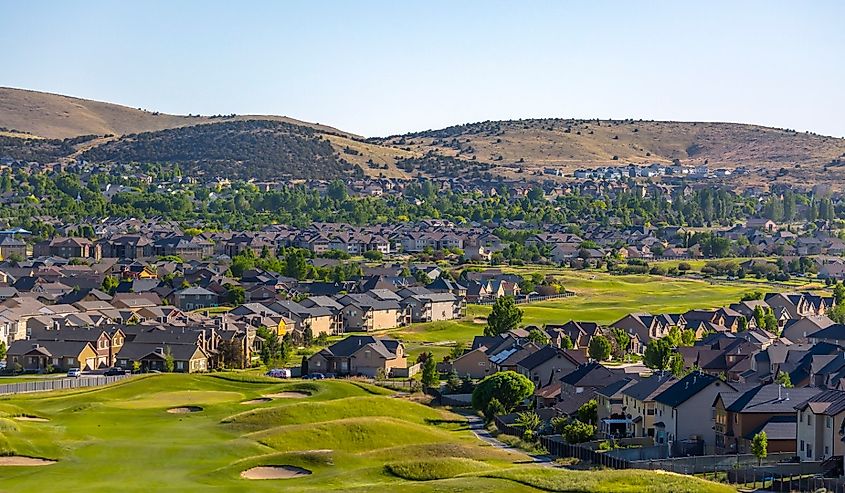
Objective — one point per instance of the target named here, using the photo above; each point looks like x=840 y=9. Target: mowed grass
x=351 y=436
x=600 y=297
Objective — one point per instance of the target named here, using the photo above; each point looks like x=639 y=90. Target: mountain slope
x=575 y=143
x=58 y=117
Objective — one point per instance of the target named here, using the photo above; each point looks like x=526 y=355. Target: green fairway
x=600 y=297
x=350 y=436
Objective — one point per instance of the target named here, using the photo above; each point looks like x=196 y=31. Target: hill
x=55 y=116
x=571 y=143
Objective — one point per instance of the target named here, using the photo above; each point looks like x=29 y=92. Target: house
x=187 y=358
x=68 y=248
x=685 y=409
x=639 y=405
x=362 y=312
x=474 y=364
x=821 y=420
x=319 y=319
x=194 y=298
x=770 y=408
x=427 y=306
x=11 y=247
x=38 y=355
x=360 y=355
x=801 y=329
x=610 y=410
x=548 y=364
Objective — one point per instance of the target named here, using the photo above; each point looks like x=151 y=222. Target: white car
x=74 y=372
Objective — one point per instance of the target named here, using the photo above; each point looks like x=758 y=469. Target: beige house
x=820 y=420
x=360 y=355
x=639 y=405
x=364 y=313
x=474 y=364
x=685 y=409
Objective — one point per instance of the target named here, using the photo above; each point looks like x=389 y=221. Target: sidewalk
x=476 y=425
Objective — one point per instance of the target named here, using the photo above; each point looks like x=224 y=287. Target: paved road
x=476 y=425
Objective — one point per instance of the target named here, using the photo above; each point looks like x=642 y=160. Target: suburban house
x=362 y=312
x=32 y=355
x=548 y=364
x=639 y=405
x=194 y=298
x=187 y=358
x=821 y=420
x=685 y=409
x=769 y=408
x=360 y=355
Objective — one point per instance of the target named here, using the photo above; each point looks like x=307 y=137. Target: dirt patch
x=260 y=400
x=184 y=410
x=291 y=394
x=479 y=320
x=17 y=460
x=35 y=419
x=275 y=472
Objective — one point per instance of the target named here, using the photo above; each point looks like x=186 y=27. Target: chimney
x=779 y=396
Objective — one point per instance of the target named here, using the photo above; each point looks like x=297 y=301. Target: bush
x=578 y=432
x=684 y=266
x=508 y=387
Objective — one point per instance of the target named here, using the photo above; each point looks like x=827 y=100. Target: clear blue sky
x=381 y=67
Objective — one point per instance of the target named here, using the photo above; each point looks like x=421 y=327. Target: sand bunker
x=479 y=320
x=184 y=410
x=293 y=394
x=17 y=460
x=260 y=400
x=31 y=418
x=275 y=472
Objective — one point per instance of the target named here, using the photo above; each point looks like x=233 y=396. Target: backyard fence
x=533 y=299
x=47 y=385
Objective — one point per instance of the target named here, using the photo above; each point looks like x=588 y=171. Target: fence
x=557 y=447
x=47 y=385
x=533 y=299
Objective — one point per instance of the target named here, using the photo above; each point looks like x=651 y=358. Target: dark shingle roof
x=770 y=399
x=647 y=388
x=777 y=428
x=686 y=388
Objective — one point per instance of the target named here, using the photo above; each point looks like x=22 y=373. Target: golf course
x=247 y=432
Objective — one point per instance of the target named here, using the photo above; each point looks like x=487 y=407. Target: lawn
x=600 y=297
x=350 y=436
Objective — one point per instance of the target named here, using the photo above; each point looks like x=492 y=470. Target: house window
x=180 y=365
x=802 y=446
x=736 y=418
x=828 y=422
x=809 y=419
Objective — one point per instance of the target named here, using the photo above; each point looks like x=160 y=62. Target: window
x=736 y=418
x=828 y=423
x=809 y=418
x=826 y=450
x=802 y=446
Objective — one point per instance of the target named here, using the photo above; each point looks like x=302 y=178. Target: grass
x=352 y=436
x=609 y=481
x=600 y=297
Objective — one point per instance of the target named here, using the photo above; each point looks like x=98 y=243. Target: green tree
x=530 y=422
x=2 y=350
x=430 y=377
x=657 y=354
x=235 y=294
x=839 y=292
x=687 y=337
x=505 y=316
x=760 y=446
x=566 y=342
x=784 y=379
x=169 y=362
x=538 y=336
x=457 y=350
x=622 y=342
x=374 y=255
x=110 y=284
x=493 y=409
x=588 y=412
x=508 y=387
x=600 y=348
x=577 y=431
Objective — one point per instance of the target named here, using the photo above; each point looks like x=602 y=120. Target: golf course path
x=476 y=425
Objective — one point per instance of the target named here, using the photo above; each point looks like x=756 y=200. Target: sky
x=384 y=67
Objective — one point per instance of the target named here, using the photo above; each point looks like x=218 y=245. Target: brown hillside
x=57 y=117
x=575 y=143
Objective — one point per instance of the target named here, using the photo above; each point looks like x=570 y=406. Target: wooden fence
x=47 y=385
x=557 y=447
x=534 y=299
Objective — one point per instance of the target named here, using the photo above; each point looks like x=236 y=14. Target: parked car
x=111 y=372
x=279 y=373
x=316 y=376
x=74 y=372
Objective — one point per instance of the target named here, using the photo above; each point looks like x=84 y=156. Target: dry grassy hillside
x=58 y=117
x=573 y=143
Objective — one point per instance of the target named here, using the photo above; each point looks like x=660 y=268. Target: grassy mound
x=609 y=481
x=350 y=435
x=438 y=468
x=180 y=398
x=350 y=407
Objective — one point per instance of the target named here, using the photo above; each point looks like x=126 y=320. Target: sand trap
x=31 y=418
x=479 y=320
x=275 y=472
x=260 y=400
x=184 y=410
x=16 y=460
x=294 y=394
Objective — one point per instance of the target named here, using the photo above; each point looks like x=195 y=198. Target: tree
x=784 y=379
x=110 y=284
x=457 y=350
x=169 y=362
x=530 y=422
x=374 y=255
x=760 y=446
x=657 y=354
x=430 y=377
x=600 y=348
x=622 y=342
x=588 y=412
x=566 y=342
x=508 y=387
x=687 y=337
x=673 y=337
x=577 y=432
x=2 y=350
x=538 y=336
x=307 y=337
x=235 y=294
x=505 y=316
x=493 y=409
x=839 y=293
